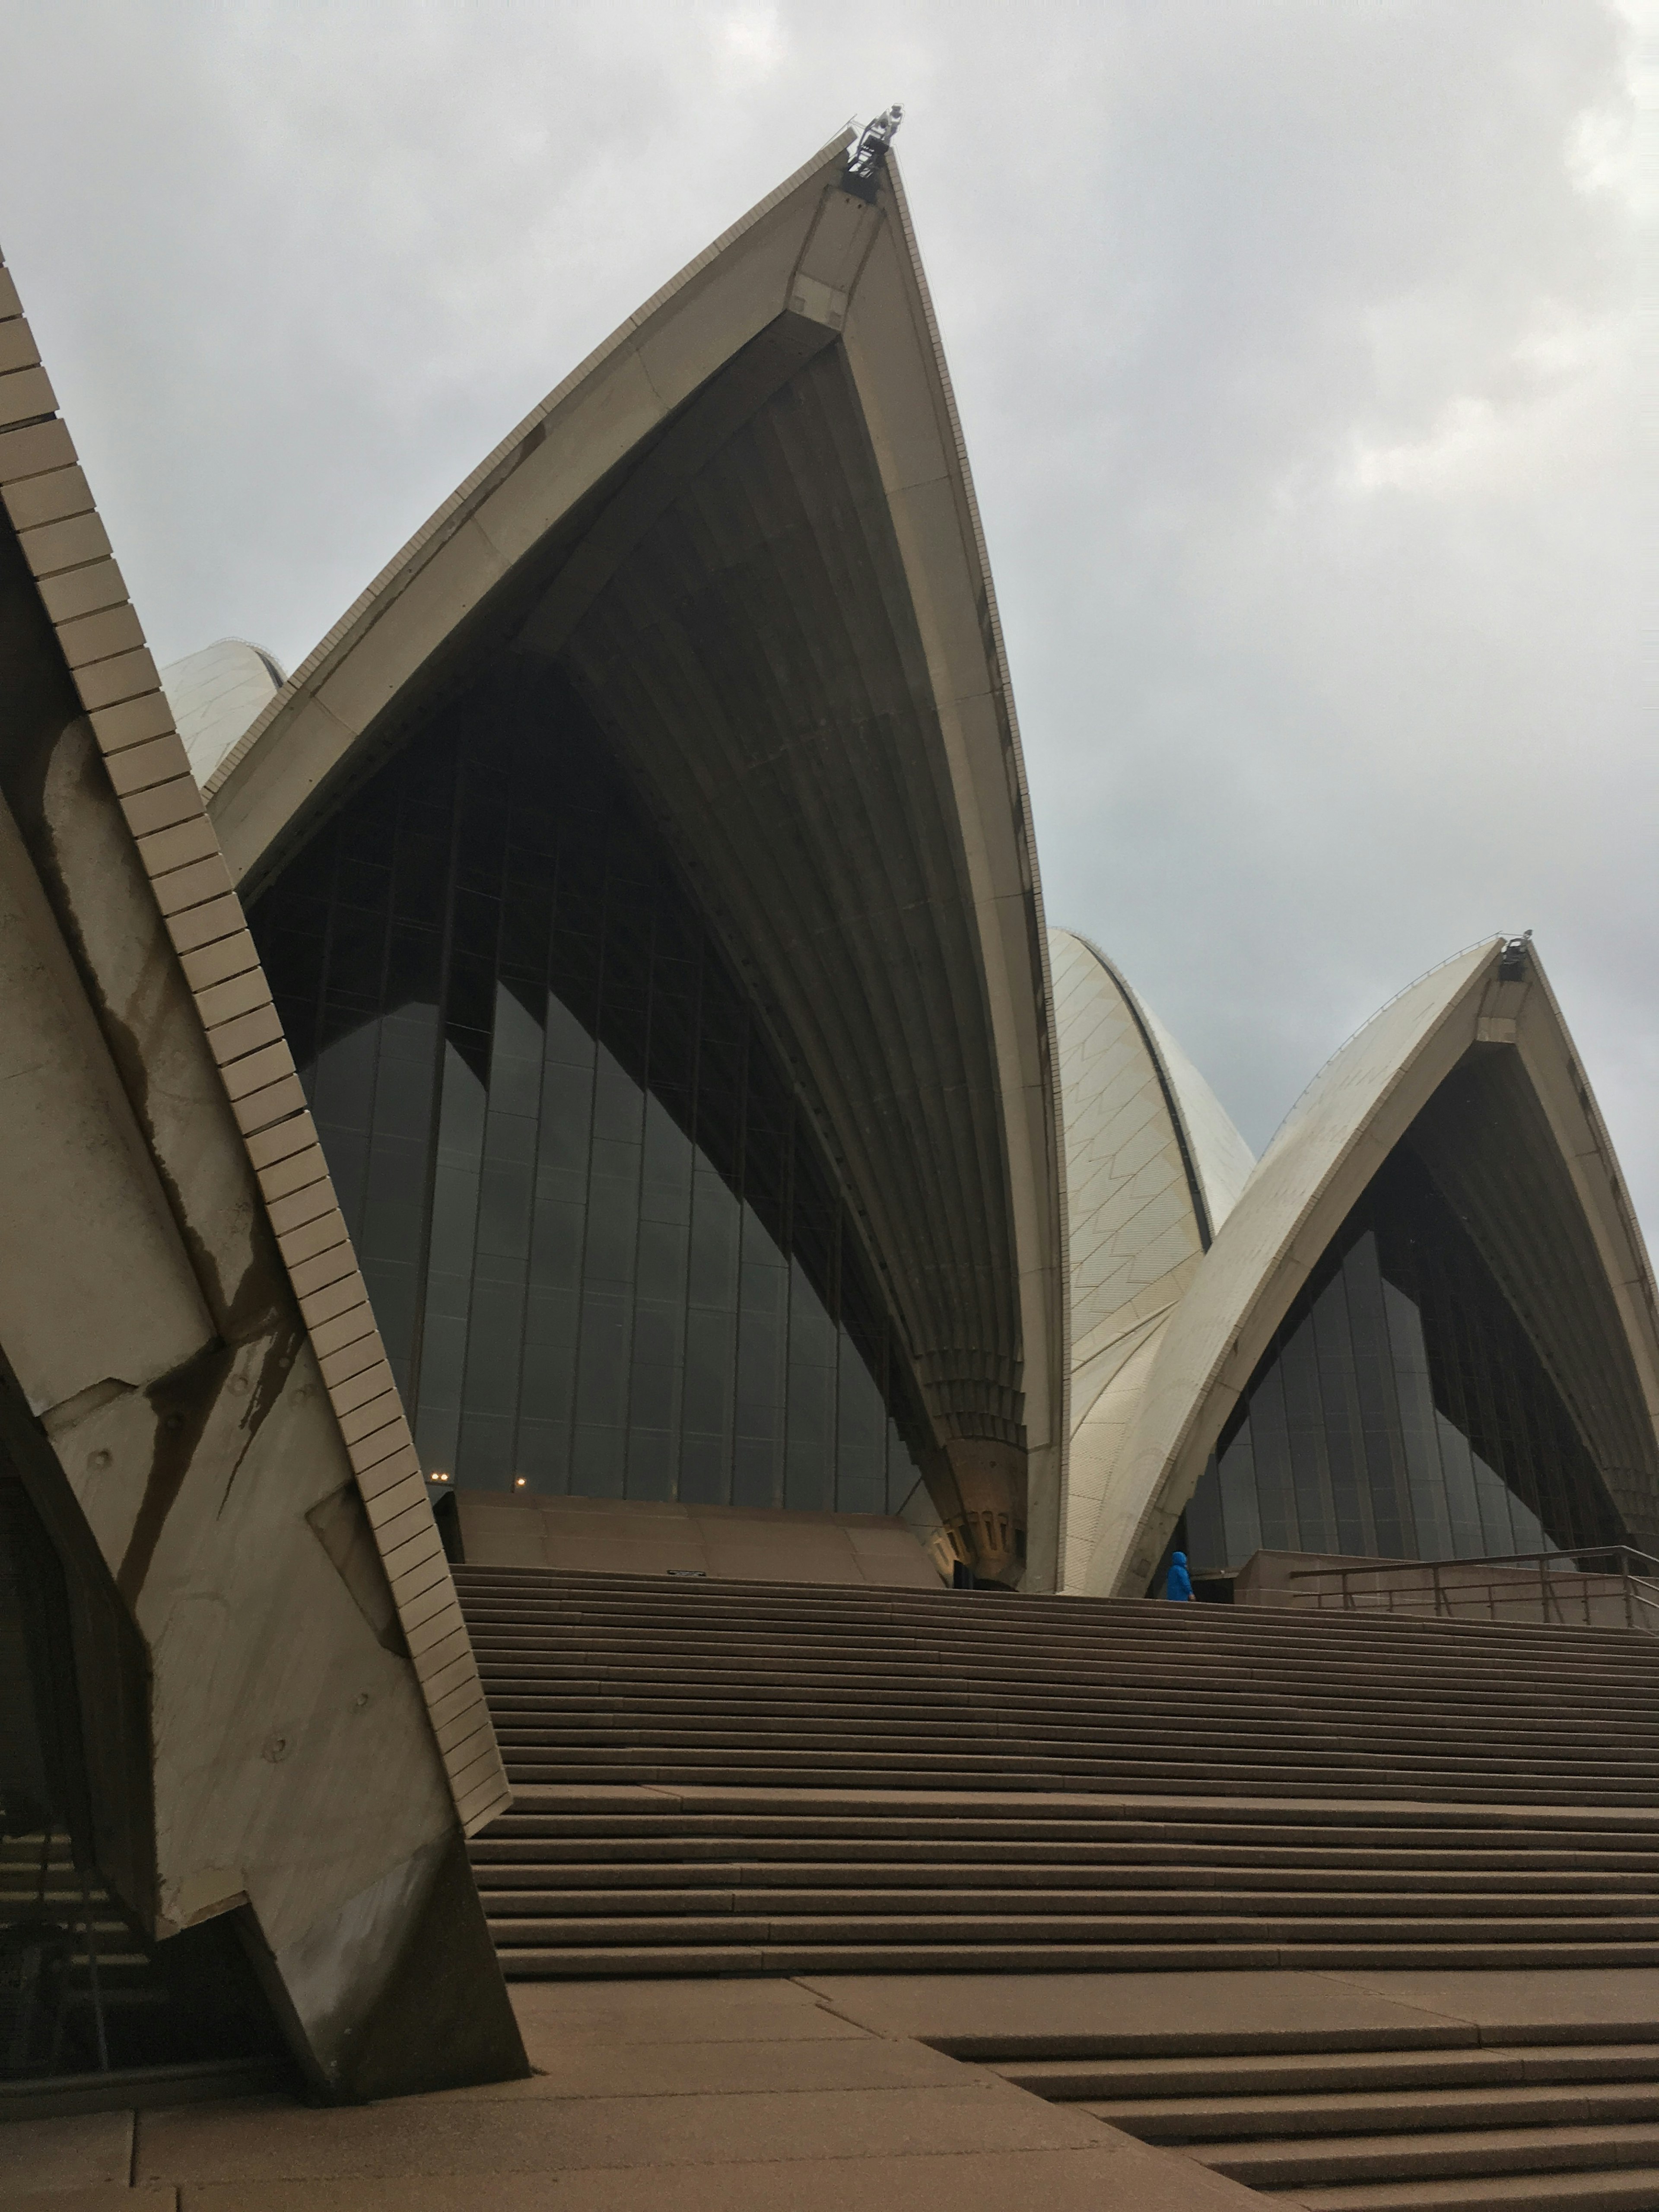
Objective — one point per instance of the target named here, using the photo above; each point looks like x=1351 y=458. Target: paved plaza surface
x=772 y=2095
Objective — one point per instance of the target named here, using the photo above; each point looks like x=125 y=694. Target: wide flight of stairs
x=718 y=1778
x=1405 y=2120
x=714 y=1778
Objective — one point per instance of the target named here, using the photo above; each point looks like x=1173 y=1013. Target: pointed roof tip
x=505 y=456
x=1466 y=960
x=1380 y=1084
x=866 y=161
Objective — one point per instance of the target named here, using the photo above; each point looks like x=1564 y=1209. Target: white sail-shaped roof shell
x=823 y=727
x=1587 y=1297
x=217 y=696
x=1153 y=1165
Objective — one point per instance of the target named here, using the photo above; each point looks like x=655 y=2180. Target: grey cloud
x=1292 y=342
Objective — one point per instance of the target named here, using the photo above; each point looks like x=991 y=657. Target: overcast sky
x=1293 y=341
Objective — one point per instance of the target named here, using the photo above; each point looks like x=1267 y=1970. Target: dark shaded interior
x=756 y=661
x=1402 y=1410
x=1488 y=1142
x=82 y=1990
x=665 y=840
x=603 y=1247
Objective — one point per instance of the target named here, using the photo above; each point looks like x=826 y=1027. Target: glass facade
x=1402 y=1411
x=601 y=1241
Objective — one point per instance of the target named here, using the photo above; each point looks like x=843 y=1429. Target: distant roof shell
x=218 y=693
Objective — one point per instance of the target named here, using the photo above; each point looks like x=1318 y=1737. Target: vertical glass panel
x=602 y=1246
x=1206 y=1534
x=1281 y=1528
x=1240 y=1505
x=762 y=1325
x=1419 y=1424
x=810 y=1472
x=1304 y=1436
x=1401 y=1408
x=860 y=1432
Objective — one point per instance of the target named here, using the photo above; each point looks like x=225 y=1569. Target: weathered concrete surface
x=720 y=2097
x=726 y=1543
x=262 y=1732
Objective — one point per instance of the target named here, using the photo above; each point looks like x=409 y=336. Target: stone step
x=553 y=1719
x=532 y=1659
x=784 y=1646
x=631 y=1920
x=594 y=1594
x=1294 y=2165
x=707 y=1953
x=1279 y=2073
x=1615 y=2189
x=1412 y=2109
x=510 y=1846
x=1443 y=1890
x=971 y=1769
x=788 y=1643
x=1258 y=1652
x=1485 y=1920
x=1104 y=1751
x=1097 y=1816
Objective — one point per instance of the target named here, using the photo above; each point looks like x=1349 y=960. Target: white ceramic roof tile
x=215 y=695
x=1132 y=1223
x=1220 y=1155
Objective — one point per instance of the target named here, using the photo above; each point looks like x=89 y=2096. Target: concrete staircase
x=1392 y=2123
x=719 y=1779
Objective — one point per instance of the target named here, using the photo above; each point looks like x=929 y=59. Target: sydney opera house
x=577 y=1080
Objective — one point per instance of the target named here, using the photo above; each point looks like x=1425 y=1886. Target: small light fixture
x=437 y=1475
x=518 y=1482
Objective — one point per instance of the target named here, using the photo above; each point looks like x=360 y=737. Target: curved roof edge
x=1017 y=940
x=1219 y=1161
x=153 y=796
x=474 y=490
x=1322 y=1159
x=1152 y=1160
x=797 y=270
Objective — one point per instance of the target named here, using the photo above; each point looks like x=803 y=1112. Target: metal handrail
x=1640 y=1593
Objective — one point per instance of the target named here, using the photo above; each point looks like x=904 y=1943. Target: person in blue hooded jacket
x=1180 y=1584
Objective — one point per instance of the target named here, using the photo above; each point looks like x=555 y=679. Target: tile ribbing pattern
x=67 y=552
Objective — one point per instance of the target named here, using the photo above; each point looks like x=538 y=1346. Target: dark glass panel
x=604 y=1250
x=810 y=1463
x=1400 y=1411
x=419 y=877
x=299 y=1020
x=495 y=1334
x=544 y=1454
x=1205 y=1520
x=394 y=1206
x=469 y=997
x=366 y=883
x=356 y=957
x=413 y=965
x=344 y=1092
x=1235 y=1481
x=484 y=1455
x=860 y=1432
